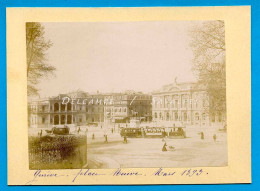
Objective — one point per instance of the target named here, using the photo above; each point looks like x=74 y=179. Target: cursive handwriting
x=40 y=174
x=119 y=172
x=160 y=172
x=87 y=172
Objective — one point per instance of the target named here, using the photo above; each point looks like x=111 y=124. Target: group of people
x=202 y=136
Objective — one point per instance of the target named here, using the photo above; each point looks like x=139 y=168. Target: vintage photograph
x=144 y=94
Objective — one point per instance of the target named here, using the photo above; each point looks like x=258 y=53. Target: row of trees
x=209 y=63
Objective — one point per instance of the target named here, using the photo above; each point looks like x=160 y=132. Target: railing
x=57 y=152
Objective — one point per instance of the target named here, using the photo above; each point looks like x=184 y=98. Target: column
x=59 y=119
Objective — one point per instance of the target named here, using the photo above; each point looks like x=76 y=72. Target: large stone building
x=127 y=105
x=81 y=108
x=78 y=108
x=184 y=103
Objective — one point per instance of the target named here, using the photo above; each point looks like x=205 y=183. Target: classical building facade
x=127 y=105
x=76 y=108
x=184 y=103
x=81 y=108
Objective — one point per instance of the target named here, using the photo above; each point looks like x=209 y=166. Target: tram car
x=176 y=132
x=154 y=132
x=131 y=132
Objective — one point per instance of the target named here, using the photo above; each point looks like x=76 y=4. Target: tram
x=154 y=132
x=131 y=132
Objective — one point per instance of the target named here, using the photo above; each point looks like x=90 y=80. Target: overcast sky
x=117 y=56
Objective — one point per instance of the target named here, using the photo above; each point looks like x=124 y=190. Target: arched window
x=69 y=119
x=68 y=106
x=167 y=116
x=62 y=119
x=160 y=115
x=56 y=107
x=56 y=120
x=63 y=107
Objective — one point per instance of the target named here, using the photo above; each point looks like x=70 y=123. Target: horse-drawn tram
x=154 y=132
x=176 y=132
x=131 y=132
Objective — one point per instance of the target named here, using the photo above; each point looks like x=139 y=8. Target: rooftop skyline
x=117 y=56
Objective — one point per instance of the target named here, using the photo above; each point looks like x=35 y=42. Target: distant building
x=127 y=105
x=78 y=108
x=184 y=103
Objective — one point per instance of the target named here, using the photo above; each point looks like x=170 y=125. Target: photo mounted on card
x=129 y=95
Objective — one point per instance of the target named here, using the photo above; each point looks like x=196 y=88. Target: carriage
x=176 y=132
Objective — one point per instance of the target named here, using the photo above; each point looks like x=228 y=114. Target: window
x=160 y=115
x=213 y=117
x=167 y=116
x=185 y=116
x=197 y=116
x=219 y=117
x=43 y=120
x=185 y=103
x=176 y=103
x=176 y=116
x=204 y=116
x=155 y=115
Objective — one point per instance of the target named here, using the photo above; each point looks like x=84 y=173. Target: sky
x=117 y=56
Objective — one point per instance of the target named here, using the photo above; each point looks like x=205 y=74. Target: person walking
x=214 y=137
x=164 y=147
x=202 y=136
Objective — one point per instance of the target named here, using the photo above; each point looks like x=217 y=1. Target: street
x=147 y=152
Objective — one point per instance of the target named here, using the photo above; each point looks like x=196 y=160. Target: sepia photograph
x=142 y=94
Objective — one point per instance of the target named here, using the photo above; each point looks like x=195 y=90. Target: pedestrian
x=215 y=137
x=112 y=130
x=105 y=138
x=125 y=139
x=164 y=147
x=202 y=135
x=79 y=130
x=93 y=136
x=41 y=133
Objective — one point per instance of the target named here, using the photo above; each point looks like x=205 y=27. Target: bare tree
x=209 y=65
x=36 y=47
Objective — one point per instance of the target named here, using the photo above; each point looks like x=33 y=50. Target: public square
x=147 y=152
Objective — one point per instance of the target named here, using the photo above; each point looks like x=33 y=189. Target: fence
x=57 y=152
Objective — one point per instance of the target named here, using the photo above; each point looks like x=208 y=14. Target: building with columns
x=76 y=108
x=184 y=103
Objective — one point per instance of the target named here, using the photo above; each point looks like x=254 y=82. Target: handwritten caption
x=84 y=173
